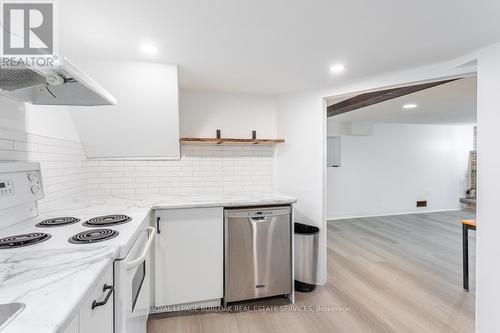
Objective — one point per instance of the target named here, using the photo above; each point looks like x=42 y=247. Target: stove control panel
x=18 y=186
x=21 y=185
x=35 y=184
x=6 y=188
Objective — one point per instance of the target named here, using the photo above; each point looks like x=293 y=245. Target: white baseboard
x=186 y=306
x=392 y=214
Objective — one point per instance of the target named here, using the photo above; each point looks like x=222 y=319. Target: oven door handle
x=136 y=262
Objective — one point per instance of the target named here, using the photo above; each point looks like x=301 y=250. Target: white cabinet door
x=73 y=326
x=96 y=315
x=189 y=256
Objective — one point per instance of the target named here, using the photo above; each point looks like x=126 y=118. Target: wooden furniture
x=219 y=141
x=466 y=225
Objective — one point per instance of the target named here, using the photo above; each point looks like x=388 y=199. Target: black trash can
x=306 y=257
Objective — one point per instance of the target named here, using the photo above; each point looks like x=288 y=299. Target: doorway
x=400 y=178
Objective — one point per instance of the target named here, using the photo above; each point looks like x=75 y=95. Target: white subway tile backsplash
x=6 y=144
x=109 y=174
x=60 y=161
x=66 y=171
x=122 y=191
x=122 y=168
x=12 y=135
x=123 y=180
x=92 y=180
x=136 y=174
x=110 y=163
x=147 y=190
x=165 y=173
x=201 y=168
x=10 y=155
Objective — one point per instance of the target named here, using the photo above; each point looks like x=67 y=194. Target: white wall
x=387 y=172
x=12 y=114
x=488 y=226
x=299 y=162
x=44 y=134
x=50 y=121
x=144 y=123
x=236 y=115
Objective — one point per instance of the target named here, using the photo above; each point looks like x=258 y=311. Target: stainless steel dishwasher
x=257 y=253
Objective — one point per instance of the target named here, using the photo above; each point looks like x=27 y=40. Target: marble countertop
x=61 y=279
x=52 y=284
x=133 y=203
x=209 y=199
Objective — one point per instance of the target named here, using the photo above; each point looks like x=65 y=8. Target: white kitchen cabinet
x=73 y=326
x=189 y=256
x=98 y=318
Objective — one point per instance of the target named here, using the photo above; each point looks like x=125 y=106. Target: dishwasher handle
x=259 y=219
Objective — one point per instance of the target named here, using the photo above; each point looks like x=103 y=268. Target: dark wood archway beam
x=367 y=99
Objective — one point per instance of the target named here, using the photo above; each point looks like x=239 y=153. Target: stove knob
x=36 y=189
x=33 y=176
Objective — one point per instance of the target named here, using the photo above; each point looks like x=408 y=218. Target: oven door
x=132 y=286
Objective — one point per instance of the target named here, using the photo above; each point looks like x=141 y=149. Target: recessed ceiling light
x=337 y=69
x=410 y=106
x=149 y=49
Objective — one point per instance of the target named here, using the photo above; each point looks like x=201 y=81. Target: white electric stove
x=23 y=229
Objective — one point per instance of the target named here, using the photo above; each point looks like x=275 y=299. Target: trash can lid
x=305 y=229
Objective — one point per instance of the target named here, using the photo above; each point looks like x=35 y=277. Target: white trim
x=185 y=306
x=118 y=158
x=392 y=214
x=291 y=296
x=19 y=166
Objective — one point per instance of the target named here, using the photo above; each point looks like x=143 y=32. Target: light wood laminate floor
x=385 y=274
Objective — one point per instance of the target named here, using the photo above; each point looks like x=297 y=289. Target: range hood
x=62 y=84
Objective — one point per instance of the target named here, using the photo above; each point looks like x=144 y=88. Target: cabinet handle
x=110 y=289
x=158 y=224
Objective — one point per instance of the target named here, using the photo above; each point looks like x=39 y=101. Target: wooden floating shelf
x=223 y=141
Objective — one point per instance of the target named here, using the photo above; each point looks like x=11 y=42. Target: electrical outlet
x=422 y=203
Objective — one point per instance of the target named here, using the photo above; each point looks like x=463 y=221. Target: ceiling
x=447 y=104
x=277 y=46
